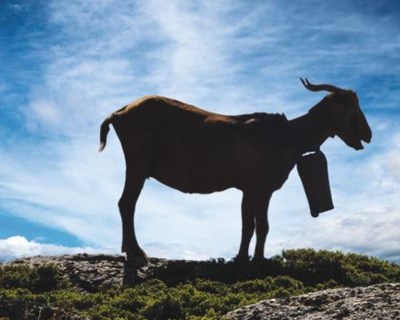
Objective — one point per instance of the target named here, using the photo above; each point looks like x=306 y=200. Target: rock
x=89 y=272
x=83 y=270
x=380 y=301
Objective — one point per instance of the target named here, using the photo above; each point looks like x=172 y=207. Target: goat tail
x=104 y=128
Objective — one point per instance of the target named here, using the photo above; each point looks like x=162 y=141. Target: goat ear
x=365 y=130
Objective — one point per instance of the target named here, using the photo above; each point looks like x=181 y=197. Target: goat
x=196 y=151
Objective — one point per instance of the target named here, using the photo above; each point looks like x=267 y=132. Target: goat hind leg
x=127 y=203
x=248 y=226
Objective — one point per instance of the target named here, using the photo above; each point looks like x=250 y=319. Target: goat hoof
x=136 y=260
x=259 y=260
x=241 y=259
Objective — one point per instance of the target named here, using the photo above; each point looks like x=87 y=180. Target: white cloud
x=367 y=232
x=45 y=111
x=19 y=247
x=195 y=50
x=61 y=189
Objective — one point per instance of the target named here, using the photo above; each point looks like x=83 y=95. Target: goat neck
x=310 y=131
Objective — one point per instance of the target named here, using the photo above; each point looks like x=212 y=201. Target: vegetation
x=186 y=290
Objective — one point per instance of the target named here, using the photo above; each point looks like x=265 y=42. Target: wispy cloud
x=227 y=56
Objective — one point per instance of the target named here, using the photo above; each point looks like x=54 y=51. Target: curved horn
x=320 y=87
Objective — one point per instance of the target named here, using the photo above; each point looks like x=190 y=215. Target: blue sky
x=65 y=65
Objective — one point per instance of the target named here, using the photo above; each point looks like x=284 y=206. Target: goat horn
x=320 y=87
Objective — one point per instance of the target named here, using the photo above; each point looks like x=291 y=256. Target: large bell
x=313 y=172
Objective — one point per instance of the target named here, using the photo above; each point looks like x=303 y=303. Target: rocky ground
x=88 y=272
x=381 y=301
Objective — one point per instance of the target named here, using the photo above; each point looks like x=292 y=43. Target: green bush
x=315 y=267
x=38 y=279
x=46 y=278
x=15 y=276
x=164 y=308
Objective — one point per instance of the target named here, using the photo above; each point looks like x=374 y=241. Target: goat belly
x=195 y=161
x=193 y=180
x=195 y=167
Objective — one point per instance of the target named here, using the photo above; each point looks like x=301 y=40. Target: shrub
x=164 y=308
x=37 y=279
x=46 y=278
x=15 y=276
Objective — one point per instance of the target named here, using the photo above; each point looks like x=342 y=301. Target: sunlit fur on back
x=196 y=151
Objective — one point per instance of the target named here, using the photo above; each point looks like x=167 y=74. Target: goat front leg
x=262 y=227
x=254 y=216
x=127 y=203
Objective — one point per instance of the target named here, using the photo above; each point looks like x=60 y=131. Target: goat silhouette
x=197 y=151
